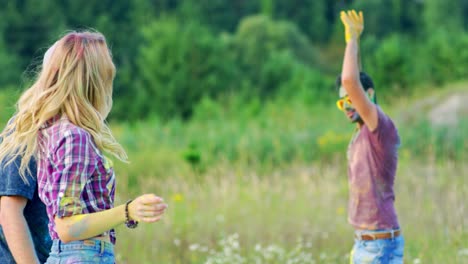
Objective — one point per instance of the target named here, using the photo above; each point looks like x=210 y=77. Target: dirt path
x=441 y=110
x=450 y=109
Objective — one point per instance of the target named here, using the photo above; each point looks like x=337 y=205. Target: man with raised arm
x=372 y=158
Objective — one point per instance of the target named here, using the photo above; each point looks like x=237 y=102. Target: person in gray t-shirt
x=372 y=159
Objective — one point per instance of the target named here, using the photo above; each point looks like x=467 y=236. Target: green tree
x=442 y=15
x=178 y=64
x=310 y=16
x=11 y=69
x=444 y=57
x=267 y=7
x=27 y=27
x=389 y=63
x=115 y=19
x=258 y=40
x=220 y=16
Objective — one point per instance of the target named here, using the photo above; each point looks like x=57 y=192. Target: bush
x=178 y=64
x=10 y=65
x=266 y=49
x=399 y=62
x=387 y=62
x=446 y=56
x=305 y=84
x=8 y=97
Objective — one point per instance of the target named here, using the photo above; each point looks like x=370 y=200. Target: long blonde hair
x=75 y=80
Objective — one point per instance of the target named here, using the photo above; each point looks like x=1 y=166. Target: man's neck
x=359 y=125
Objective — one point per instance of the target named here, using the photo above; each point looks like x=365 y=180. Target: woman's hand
x=147 y=208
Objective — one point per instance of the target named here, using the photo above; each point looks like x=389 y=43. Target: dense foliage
x=172 y=53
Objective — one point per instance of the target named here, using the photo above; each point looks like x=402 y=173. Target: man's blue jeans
x=379 y=251
x=83 y=251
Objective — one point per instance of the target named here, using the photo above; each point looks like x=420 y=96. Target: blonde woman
x=60 y=122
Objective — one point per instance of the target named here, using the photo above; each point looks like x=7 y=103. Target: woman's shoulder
x=72 y=136
x=71 y=130
x=63 y=128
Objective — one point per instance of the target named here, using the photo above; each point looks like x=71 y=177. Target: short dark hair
x=366 y=81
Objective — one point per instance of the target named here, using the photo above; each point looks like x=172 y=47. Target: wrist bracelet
x=129 y=222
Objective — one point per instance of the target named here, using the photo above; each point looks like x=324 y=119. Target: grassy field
x=294 y=215
x=271 y=187
x=266 y=183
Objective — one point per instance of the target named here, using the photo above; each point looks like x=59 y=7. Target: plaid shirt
x=73 y=176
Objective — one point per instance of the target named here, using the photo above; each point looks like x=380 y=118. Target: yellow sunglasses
x=341 y=102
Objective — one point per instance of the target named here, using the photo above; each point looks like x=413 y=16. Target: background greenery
x=172 y=53
x=227 y=111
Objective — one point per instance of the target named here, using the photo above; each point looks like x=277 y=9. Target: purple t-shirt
x=372 y=159
x=73 y=175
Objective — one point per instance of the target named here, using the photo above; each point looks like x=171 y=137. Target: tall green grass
x=273 y=212
x=265 y=182
x=275 y=135
x=270 y=186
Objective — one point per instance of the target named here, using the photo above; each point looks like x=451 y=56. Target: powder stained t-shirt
x=372 y=164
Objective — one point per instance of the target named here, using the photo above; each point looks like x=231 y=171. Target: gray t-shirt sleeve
x=11 y=182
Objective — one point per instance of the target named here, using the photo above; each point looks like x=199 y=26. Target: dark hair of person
x=366 y=82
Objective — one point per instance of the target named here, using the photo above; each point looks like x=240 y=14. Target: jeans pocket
x=397 y=255
x=373 y=246
x=398 y=252
x=368 y=252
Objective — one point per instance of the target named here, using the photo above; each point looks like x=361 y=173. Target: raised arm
x=354 y=25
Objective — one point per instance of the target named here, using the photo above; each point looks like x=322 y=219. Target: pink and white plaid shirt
x=74 y=177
